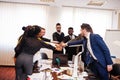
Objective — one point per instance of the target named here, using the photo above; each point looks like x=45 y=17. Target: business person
x=25 y=49
x=58 y=36
x=96 y=53
x=70 y=51
x=42 y=33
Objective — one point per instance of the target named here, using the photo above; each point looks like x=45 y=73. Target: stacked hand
x=63 y=44
x=58 y=47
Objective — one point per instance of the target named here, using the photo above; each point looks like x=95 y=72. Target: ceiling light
x=47 y=0
x=96 y=2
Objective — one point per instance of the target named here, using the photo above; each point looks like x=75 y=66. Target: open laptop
x=60 y=60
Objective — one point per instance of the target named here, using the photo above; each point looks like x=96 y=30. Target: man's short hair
x=58 y=24
x=70 y=28
x=87 y=27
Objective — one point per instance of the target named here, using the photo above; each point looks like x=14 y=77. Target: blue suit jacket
x=99 y=48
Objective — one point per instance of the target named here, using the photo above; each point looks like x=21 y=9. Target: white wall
x=112 y=38
x=53 y=18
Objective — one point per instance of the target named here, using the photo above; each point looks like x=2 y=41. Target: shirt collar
x=88 y=35
x=59 y=33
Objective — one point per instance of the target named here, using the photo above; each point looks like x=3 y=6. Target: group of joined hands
x=60 y=46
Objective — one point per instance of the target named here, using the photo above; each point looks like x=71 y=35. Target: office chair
x=115 y=73
x=44 y=56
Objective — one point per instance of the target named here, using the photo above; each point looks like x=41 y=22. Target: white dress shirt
x=72 y=36
x=89 y=46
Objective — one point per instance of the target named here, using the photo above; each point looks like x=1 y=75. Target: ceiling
x=109 y=4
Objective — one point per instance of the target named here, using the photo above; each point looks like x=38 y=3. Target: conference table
x=47 y=71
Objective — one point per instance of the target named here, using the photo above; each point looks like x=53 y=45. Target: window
x=100 y=20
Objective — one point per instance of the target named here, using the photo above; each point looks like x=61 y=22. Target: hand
x=109 y=68
x=58 y=47
x=63 y=44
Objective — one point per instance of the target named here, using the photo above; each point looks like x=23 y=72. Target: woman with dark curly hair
x=28 y=45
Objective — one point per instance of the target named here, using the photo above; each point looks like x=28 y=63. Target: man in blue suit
x=96 y=54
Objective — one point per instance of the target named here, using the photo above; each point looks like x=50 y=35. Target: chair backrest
x=38 y=55
x=116 y=69
x=44 y=56
x=48 y=52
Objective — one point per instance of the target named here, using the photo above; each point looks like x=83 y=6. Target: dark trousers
x=99 y=71
x=23 y=66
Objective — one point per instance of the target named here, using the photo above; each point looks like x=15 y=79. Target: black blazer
x=45 y=39
x=70 y=51
x=58 y=37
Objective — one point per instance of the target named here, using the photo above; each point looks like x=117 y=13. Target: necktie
x=89 y=58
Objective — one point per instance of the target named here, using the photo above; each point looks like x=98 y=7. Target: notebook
x=60 y=60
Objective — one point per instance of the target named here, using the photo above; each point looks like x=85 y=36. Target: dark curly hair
x=31 y=31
